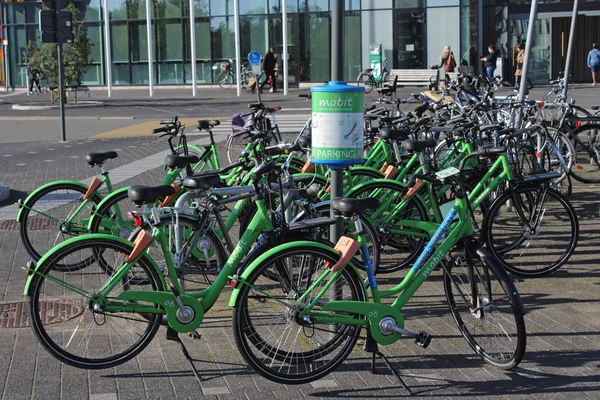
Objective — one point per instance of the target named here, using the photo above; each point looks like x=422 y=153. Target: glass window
x=136 y=9
x=376 y=4
x=202 y=42
x=442 y=30
x=91 y=11
x=139 y=41
x=168 y=8
x=119 y=42
x=410 y=44
x=222 y=38
x=94 y=34
x=254 y=34
x=442 y=3
x=117 y=9
x=200 y=8
x=352 y=52
x=314 y=5
x=468 y=36
x=409 y=3
x=33 y=12
x=169 y=40
x=221 y=7
x=15 y=13
x=275 y=6
x=139 y=74
x=352 y=5
x=319 y=48
x=170 y=73
x=120 y=74
x=253 y=7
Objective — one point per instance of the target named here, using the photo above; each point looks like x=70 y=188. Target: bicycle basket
x=225 y=66
x=551 y=113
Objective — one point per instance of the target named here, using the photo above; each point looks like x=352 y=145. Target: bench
x=418 y=77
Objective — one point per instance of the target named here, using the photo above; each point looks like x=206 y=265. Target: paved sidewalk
x=563 y=321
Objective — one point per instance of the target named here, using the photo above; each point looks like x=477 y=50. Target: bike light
x=541 y=103
x=138 y=220
x=577 y=123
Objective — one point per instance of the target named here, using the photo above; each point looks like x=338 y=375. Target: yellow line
x=145 y=128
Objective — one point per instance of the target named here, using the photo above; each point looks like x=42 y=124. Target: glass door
x=276 y=39
x=539 y=64
x=409 y=40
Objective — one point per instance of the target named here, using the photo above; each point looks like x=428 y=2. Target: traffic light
x=49 y=26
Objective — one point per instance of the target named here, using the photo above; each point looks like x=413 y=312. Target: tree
x=43 y=57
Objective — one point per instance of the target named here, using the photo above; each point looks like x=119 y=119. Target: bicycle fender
x=108 y=198
x=28 y=202
x=69 y=242
x=492 y=262
x=400 y=185
x=363 y=168
x=261 y=259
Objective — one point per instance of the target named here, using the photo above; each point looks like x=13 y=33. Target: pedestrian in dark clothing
x=490 y=62
x=34 y=79
x=593 y=61
x=269 y=62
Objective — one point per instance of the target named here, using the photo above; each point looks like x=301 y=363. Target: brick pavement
x=563 y=324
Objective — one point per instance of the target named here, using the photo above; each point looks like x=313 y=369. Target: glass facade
x=412 y=32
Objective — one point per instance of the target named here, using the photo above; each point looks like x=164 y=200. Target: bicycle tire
x=236 y=143
x=225 y=80
x=513 y=225
x=397 y=251
x=313 y=351
x=39 y=233
x=101 y=343
x=366 y=81
x=486 y=307
x=586 y=141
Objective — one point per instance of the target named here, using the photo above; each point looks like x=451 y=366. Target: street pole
x=570 y=50
x=150 y=43
x=108 y=65
x=238 y=50
x=525 y=73
x=284 y=54
x=337 y=74
x=61 y=79
x=193 y=46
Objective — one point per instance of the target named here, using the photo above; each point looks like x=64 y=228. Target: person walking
x=269 y=62
x=593 y=62
x=447 y=60
x=490 y=63
x=520 y=58
x=34 y=79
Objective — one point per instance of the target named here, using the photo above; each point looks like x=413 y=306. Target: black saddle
x=100 y=158
x=394 y=134
x=140 y=195
x=202 y=181
x=172 y=161
x=207 y=124
x=348 y=207
x=415 y=146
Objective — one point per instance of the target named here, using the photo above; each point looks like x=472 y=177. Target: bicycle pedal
x=423 y=339
x=195 y=335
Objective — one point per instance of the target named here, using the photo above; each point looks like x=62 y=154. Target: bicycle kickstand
x=372 y=347
x=174 y=336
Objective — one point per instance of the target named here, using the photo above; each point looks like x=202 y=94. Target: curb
x=81 y=104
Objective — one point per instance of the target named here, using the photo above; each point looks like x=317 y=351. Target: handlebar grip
x=161 y=130
x=308 y=96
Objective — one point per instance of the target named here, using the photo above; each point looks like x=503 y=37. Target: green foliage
x=43 y=57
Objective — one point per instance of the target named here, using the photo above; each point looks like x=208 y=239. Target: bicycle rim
x=485 y=306
x=271 y=336
x=66 y=322
x=44 y=226
x=532 y=231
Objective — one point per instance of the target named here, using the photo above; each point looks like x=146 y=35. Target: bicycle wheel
x=586 y=142
x=486 y=308
x=236 y=144
x=225 y=80
x=271 y=336
x=531 y=230
x=366 y=80
x=43 y=219
x=399 y=246
x=64 y=317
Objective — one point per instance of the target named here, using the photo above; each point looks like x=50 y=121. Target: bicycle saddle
x=140 y=195
x=394 y=134
x=348 y=207
x=202 y=181
x=172 y=161
x=99 y=158
x=207 y=124
x=413 y=146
